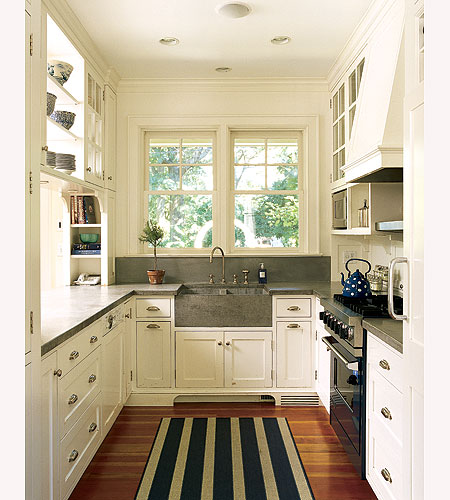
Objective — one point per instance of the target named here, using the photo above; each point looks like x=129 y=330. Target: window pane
x=197 y=177
x=335 y=137
x=341 y=100
x=249 y=151
x=282 y=177
x=282 y=151
x=164 y=178
x=247 y=177
x=335 y=107
x=186 y=219
x=197 y=151
x=341 y=132
x=164 y=152
x=351 y=118
x=266 y=221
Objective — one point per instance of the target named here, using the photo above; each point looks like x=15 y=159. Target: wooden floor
x=116 y=469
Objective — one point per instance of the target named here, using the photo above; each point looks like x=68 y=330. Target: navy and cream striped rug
x=224 y=459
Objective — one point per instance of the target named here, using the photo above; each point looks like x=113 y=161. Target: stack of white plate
x=51 y=159
x=65 y=163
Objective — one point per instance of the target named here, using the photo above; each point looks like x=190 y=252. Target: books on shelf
x=86 y=249
x=82 y=210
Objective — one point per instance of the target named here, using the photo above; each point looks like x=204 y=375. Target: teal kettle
x=356 y=285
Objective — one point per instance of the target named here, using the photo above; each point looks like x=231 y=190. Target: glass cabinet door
x=94 y=112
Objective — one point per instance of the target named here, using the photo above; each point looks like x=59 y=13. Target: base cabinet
x=223 y=359
x=153 y=353
x=112 y=375
x=294 y=354
x=323 y=369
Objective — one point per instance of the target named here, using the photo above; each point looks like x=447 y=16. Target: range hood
x=375 y=150
x=392 y=226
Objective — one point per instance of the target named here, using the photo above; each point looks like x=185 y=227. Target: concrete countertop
x=68 y=310
x=386 y=329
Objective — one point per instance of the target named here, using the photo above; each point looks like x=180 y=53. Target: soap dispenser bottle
x=262 y=273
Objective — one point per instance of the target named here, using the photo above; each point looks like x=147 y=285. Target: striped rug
x=224 y=459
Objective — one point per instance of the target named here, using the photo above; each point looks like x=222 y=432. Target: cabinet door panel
x=248 y=359
x=294 y=354
x=199 y=359
x=153 y=354
x=323 y=369
x=112 y=372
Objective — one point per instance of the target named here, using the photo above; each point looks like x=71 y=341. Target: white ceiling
x=127 y=34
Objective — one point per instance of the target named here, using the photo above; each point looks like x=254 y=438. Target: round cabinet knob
x=93 y=339
x=74 y=355
x=384 y=364
x=219 y=343
x=127 y=316
x=58 y=372
x=92 y=427
x=89 y=169
x=386 y=475
x=73 y=399
x=227 y=343
x=44 y=148
x=109 y=177
x=73 y=456
x=386 y=413
x=92 y=378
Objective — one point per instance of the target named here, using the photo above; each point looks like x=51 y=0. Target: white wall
x=213 y=99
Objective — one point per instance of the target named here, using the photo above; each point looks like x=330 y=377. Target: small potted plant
x=153 y=234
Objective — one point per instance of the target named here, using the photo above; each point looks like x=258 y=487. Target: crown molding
x=193 y=85
x=112 y=78
x=360 y=37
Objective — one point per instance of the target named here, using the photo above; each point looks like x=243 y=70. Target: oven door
x=346 y=392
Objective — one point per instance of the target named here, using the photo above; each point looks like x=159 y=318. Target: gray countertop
x=387 y=330
x=66 y=311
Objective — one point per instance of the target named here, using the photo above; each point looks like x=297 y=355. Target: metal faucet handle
x=235 y=279
x=245 y=271
x=211 y=279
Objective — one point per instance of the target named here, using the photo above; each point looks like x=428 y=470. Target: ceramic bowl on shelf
x=59 y=70
x=89 y=237
x=51 y=99
x=64 y=118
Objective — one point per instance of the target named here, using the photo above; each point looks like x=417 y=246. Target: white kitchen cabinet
x=153 y=353
x=199 y=359
x=248 y=359
x=323 y=369
x=127 y=342
x=28 y=434
x=112 y=375
x=294 y=354
x=49 y=421
x=110 y=138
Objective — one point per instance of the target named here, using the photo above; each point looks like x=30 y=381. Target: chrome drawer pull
x=153 y=325
x=386 y=475
x=74 y=355
x=386 y=413
x=94 y=339
x=73 y=399
x=92 y=378
x=58 y=372
x=153 y=308
x=293 y=325
x=73 y=456
x=293 y=308
x=92 y=427
x=384 y=364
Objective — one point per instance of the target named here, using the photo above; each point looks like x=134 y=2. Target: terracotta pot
x=156 y=277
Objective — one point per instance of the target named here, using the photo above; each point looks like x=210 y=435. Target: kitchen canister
x=363 y=215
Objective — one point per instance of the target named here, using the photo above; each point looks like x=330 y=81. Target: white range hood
x=375 y=151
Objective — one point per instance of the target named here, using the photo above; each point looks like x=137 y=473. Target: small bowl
x=51 y=99
x=89 y=237
x=64 y=118
x=59 y=70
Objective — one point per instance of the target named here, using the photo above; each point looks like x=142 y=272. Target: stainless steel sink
x=223 y=305
x=223 y=289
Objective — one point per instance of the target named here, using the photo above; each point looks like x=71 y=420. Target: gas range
x=343 y=316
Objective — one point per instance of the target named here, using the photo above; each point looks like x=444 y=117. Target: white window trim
x=223 y=126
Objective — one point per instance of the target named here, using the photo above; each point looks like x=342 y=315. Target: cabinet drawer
x=293 y=308
x=78 y=447
x=386 y=404
x=385 y=463
x=385 y=360
x=77 y=390
x=72 y=353
x=153 y=308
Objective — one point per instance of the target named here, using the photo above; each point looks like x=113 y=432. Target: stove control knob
x=321 y=315
x=338 y=328
x=344 y=332
x=324 y=317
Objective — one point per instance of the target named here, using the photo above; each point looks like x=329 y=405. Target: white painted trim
x=222 y=125
x=195 y=85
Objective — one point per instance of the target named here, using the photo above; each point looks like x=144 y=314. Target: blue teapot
x=356 y=285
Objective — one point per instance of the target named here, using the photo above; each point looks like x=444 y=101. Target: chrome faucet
x=223 y=261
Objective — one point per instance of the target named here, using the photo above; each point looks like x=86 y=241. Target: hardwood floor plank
x=116 y=470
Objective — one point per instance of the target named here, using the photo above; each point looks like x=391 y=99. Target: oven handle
x=351 y=365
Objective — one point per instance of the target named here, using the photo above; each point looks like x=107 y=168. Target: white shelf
x=63 y=96
x=85 y=225
x=357 y=231
x=85 y=256
x=65 y=182
x=56 y=132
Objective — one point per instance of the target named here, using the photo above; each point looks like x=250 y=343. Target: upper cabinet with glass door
x=344 y=105
x=94 y=129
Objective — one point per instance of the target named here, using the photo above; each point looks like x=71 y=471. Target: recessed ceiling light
x=223 y=69
x=280 y=40
x=170 y=40
x=233 y=10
